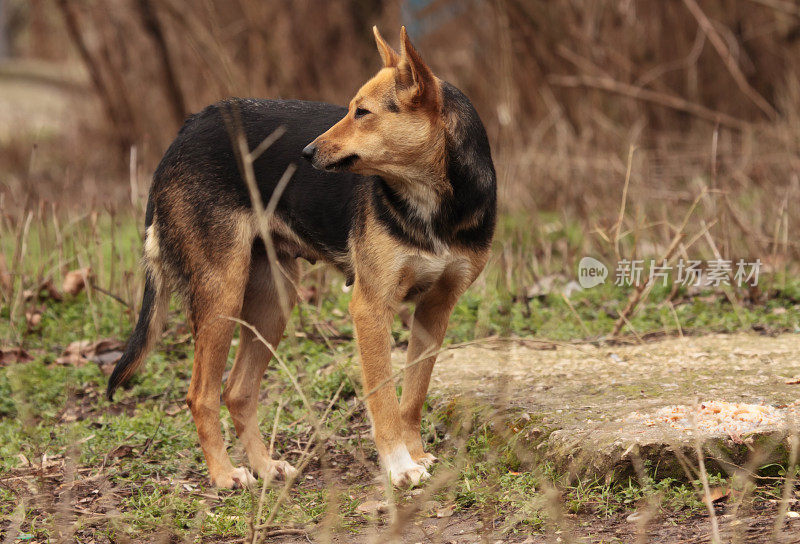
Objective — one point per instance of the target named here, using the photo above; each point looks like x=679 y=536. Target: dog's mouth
x=342 y=164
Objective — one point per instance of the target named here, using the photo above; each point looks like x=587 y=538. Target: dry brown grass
x=609 y=121
x=706 y=92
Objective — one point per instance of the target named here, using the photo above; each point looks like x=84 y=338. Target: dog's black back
x=201 y=172
x=316 y=205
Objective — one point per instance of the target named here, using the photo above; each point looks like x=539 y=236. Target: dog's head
x=393 y=126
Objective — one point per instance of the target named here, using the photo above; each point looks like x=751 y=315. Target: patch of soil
x=467 y=527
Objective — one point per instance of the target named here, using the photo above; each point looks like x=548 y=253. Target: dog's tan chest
x=423 y=270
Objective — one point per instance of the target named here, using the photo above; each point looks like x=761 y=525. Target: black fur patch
x=471 y=173
x=198 y=187
x=399 y=217
x=199 y=175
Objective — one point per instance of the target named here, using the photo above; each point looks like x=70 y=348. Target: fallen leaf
x=45 y=290
x=792 y=514
x=123 y=450
x=104 y=352
x=373 y=508
x=33 y=319
x=446 y=511
x=70 y=415
x=793 y=381
x=719 y=493
x=14 y=355
x=75 y=280
x=107 y=361
x=106 y=345
x=48 y=287
x=73 y=355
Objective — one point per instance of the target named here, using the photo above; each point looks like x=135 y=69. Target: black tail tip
x=114 y=381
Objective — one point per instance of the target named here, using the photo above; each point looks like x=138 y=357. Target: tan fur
x=385 y=273
x=403 y=140
x=261 y=308
x=388 y=55
x=215 y=293
x=407 y=147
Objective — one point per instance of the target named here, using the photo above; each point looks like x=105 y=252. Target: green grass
x=159 y=480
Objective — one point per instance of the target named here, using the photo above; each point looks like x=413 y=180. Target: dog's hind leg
x=263 y=310
x=427 y=333
x=215 y=292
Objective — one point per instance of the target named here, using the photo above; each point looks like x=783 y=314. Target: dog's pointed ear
x=388 y=55
x=414 y=79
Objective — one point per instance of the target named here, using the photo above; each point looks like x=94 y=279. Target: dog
x=398 y=192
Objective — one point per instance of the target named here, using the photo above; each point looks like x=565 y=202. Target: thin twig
x=645 y=287
x=788 y=486
x=624 y=200
x=655 y=97
x=730 y=63
x=109 y=294
x=715 y=537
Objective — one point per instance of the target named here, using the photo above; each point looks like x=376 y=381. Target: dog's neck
x=426 y=184
x=451 y=199
x=423 y=191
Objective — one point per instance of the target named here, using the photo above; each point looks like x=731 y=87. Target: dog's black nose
x=309 y=150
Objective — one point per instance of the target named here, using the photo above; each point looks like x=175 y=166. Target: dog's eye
x=361 y=112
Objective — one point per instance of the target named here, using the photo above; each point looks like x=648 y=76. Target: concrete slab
x=596 y=407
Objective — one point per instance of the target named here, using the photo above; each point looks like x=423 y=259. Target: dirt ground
x=588 y=391
x=465 y=529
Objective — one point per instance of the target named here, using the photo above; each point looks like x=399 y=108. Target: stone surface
x=589 y=402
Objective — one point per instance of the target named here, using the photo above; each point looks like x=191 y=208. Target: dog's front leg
x=427 y=333
x=372 y=317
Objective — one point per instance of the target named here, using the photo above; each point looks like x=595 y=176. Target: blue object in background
x=424 y=16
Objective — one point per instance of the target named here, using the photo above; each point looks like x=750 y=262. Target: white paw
x=234 y=479
x=403 y=471
x=426 y=460
x=411 y=476
x=272 y=469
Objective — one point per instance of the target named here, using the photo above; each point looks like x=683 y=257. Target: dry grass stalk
x=788 y=485
x=644 y=287
x=623 y=202
x=655 y=97
x=707 y=499
x=719 y=44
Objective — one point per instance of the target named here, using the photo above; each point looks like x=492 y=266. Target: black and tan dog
x=401 y=199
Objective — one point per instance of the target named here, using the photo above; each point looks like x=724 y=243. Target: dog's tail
x=155 y=303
